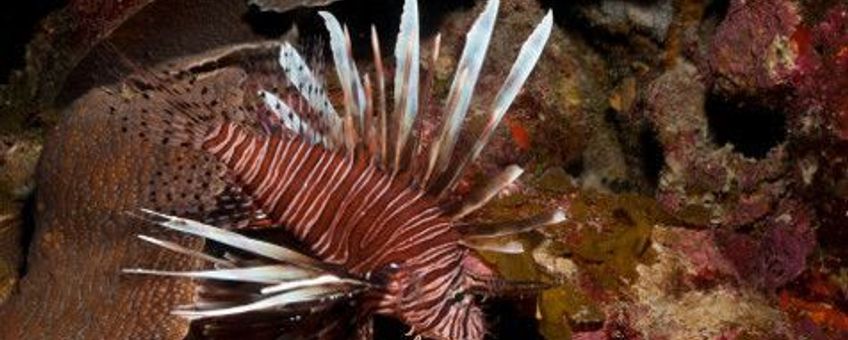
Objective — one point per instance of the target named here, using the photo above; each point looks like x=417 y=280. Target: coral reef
x=704 y=305
x=699 y=148
x=701 y=182
x=652 y=18
x=751 y=50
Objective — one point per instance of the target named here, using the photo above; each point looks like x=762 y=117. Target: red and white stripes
x=348 y=212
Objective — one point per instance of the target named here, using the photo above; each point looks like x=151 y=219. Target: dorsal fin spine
x=462 y=87
x=381 y=90
x=354 y=96
x=524 y=64
x=406 y=78
x=300 y=75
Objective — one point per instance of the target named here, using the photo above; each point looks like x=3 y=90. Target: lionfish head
x=439 y=302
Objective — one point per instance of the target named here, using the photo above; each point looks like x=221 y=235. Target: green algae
x=606 y=236
x=563 y=309
x=555 y=180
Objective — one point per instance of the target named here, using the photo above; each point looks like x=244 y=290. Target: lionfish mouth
x=360 y=189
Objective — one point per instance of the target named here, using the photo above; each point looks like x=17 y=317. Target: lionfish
x=374 y=206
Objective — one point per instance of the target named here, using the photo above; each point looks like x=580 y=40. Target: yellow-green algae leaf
x=606 y=236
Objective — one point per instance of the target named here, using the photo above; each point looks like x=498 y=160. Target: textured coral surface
x=699 y=148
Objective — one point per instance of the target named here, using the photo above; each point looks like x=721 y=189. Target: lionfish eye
x=383 y=274
x=458 y=296
x=461 y=295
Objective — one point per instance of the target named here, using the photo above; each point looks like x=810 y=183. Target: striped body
x=350 y=213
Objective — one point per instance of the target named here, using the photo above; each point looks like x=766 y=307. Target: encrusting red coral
x=820 y=77
x=750 y=51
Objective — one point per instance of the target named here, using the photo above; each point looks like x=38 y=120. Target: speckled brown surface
x=90 y=176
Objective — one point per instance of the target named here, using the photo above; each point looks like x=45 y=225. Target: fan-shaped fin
x=234 y=209
x=292 y=120
x=250 y=291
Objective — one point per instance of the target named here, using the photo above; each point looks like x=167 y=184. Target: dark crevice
x=359 y=16
x=389 y=329
x=713 y=15
x=568 y=16
x=618 y=43
x=575 y=168
x=19 y=22
x=269 y=24
x=507 y=321
x=27 y=230
x=752 y=129
x=652 y=156
x=716 y=10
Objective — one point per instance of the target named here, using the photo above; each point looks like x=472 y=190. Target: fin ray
x=185 y=251
x=381 y=91
x=273 y=274
x=406 y=79
x=483 y=195
x=494 y=245
x=299 y=74
x=235 y=240
x=462 y=87
x=309 y=282
x=524 y=64
x=478 y=231
x=277 y=301
x=346 y=71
